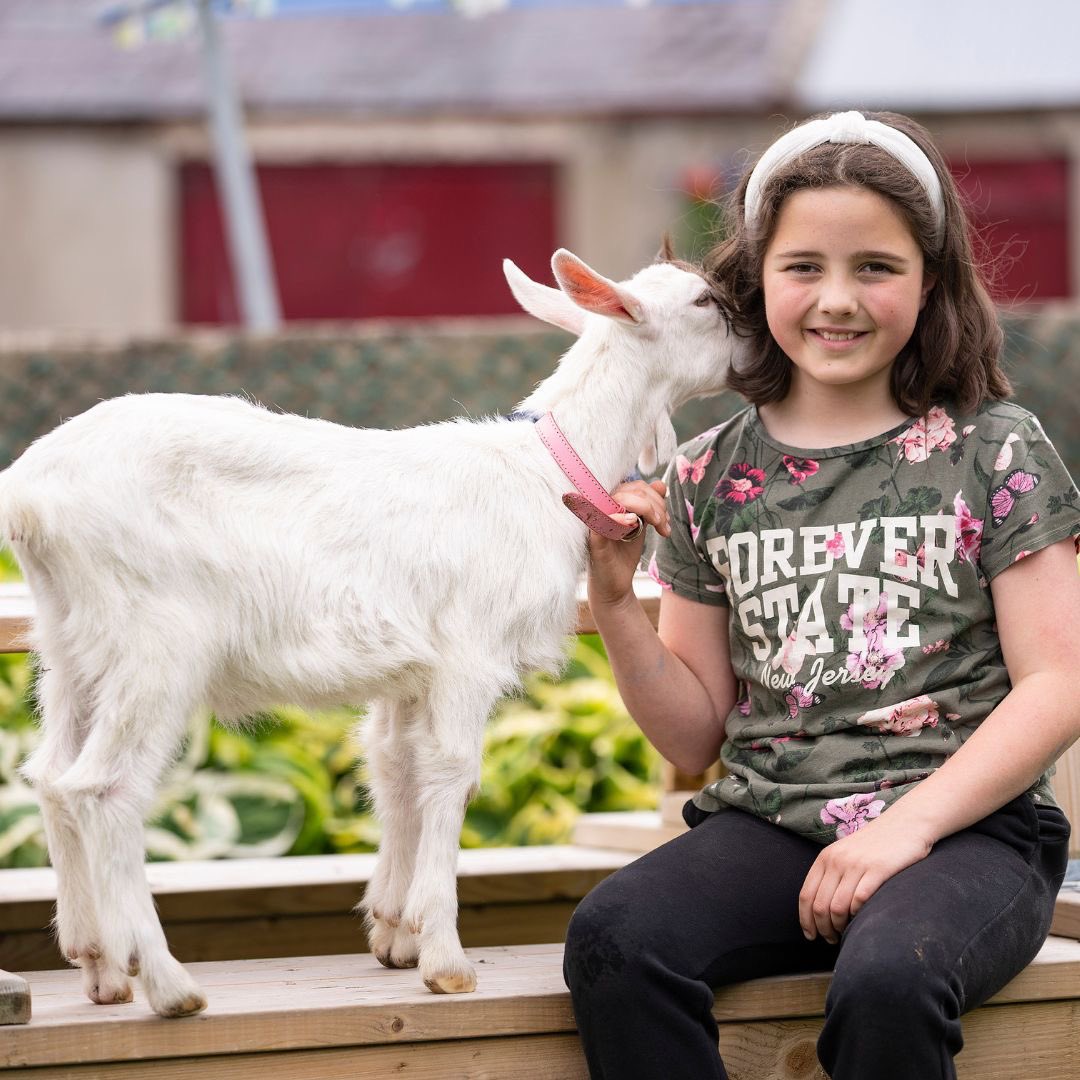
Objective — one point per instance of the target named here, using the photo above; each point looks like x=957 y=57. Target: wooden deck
x=328 y=1017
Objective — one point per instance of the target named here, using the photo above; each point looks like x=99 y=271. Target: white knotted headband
x=845 y=127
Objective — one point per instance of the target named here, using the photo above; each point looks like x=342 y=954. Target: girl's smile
x=844 y=283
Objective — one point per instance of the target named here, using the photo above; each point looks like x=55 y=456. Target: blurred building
x=402 y=156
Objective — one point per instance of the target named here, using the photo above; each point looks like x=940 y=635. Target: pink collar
x=591 y=502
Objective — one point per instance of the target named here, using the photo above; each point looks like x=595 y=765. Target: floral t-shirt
x=861 y=619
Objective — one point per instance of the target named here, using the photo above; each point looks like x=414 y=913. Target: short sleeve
x=1031 y=499
x=678 y=561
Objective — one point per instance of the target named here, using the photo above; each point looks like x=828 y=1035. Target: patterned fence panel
x=396 y=375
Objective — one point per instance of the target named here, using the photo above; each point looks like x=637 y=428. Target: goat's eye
x=704 y=300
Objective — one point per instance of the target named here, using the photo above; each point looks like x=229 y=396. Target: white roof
x=944 y=55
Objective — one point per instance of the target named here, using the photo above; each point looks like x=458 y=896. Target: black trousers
x=719 y=905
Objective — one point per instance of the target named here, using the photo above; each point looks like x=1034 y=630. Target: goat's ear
x=592 y=291
x=666 y=253
x=662 y=447
x=545 y=303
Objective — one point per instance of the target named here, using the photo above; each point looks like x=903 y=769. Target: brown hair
x=955 y=350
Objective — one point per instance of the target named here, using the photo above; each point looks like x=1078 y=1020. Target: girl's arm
x=1037 y=602
x=677 y=684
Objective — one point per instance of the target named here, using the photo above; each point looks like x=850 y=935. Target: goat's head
x=672 y=319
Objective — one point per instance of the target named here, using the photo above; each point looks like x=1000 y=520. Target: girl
x=867 y=573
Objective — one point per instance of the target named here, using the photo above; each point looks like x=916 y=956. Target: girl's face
x=844 y=284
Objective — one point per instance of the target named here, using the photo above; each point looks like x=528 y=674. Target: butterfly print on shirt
x=1005 y=497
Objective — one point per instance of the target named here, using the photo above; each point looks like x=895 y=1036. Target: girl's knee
x=901 y=982
x=593 y=949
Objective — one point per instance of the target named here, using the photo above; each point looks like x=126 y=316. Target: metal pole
x=249 y=253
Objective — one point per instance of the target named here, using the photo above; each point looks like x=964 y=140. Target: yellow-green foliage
x=293 y=783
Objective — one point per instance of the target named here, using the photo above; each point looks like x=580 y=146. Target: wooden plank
x=339 y=1001
x=628 y=830
x=321 y=884
x=306 y=935
x=16 y=612
x=1001 y=1042
x=531 y=1057
x=283 y=1005
x=1067 y=912
x=1067 y=792
x=14 y=999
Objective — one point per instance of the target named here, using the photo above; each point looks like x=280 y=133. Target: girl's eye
x=877 y=268
x=803 y=268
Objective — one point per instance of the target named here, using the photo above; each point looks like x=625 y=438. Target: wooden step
x=242 y=909
x=316 y=1018
x=1067 y=911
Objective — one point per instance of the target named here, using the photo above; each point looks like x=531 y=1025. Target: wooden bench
x=337 y=1016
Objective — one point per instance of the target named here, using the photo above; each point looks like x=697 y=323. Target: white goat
x=186 y=551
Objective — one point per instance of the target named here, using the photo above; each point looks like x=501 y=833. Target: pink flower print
x=935 y=431
x=901 y=556
x=969 y=530
x=1021 y=555
x=792 y=654
x=744 y=703
x=1005 y=454
x=654 y=573
x=835 y=545
x=851 y=813
x=692 y=470
x=875 y=665
x=800 y=468
x=694 y=529
x=907 y=718
x=938 y=646
x=1034 y=519
x=873 y=621
x=968 y=430
x=742 y=484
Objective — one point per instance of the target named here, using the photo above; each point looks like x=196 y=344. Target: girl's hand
x=612 y=563
x=848 y=872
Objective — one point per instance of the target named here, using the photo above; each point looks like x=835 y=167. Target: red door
x=364 y=241
x=1021 y=211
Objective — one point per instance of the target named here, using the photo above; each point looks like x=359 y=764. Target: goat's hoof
x=111 y=995
x=452 y=982
x=388 y=959
x=186 y=1006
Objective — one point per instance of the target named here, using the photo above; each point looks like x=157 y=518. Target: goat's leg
x=109 y=790
x=448 y=767
x=76 y=915
x=392 y=782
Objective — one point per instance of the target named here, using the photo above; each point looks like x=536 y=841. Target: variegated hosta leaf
x=224 y=815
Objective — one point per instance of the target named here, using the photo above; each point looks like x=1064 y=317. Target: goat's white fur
x=186 y=551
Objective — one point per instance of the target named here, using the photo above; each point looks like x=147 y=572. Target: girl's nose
x=837 y=297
